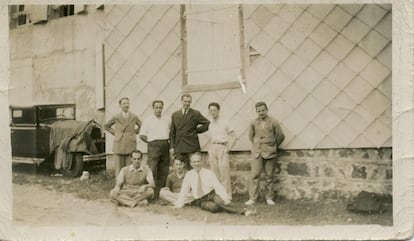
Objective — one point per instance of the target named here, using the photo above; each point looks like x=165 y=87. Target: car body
x=39 y=130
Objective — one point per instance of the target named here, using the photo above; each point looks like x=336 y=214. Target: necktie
x=199 y=186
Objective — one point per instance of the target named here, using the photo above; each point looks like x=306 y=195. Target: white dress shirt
x=209 y=182
x=219 y=130
x=156 y=128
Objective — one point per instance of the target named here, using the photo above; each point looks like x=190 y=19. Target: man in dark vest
x=186 y=124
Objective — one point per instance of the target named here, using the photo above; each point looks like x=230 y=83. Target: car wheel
x=76 y=168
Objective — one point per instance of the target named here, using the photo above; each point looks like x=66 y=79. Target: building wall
x=55 y=62
x=324 y=70
x=322 y=173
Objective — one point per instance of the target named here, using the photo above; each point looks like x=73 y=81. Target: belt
x=220 y=143
x=158 y=141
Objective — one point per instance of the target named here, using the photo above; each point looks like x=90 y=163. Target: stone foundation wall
x=319 y=174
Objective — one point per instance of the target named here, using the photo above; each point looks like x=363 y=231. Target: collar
x=125 y=114
x=183 y=110
x=180 y=177
x=215 y=120
x=132 y=168
x=260 y=119
x=198 y=171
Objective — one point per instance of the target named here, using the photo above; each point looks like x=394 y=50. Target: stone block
x=297 y=169
x=328 y=172
x=359 y=171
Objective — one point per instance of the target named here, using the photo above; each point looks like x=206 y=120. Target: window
x=21 y=15
x=213 y=47
x=59 y=11
x=23 y=116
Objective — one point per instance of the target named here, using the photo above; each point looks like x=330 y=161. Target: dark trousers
x=185 y=157
x=213 y=203
x=158 y=162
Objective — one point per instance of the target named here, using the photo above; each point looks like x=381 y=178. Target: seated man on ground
x=170 y=192
x=209 y=193
x=134 y=183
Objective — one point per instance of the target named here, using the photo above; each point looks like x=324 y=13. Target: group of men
x=177 y=137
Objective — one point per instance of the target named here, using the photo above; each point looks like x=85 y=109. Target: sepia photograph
x=173 y=116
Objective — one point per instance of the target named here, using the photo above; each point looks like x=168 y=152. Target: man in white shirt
x=155 y=132
x=222 y=140
x=208 y=192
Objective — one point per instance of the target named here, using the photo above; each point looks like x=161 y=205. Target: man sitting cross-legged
x=208 y=192
x=170 y=192
x=134 y=183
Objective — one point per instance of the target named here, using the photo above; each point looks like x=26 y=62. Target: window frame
x=210 y=87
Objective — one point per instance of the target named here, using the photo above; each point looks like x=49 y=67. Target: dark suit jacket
x=184 y=130
x=125 y=132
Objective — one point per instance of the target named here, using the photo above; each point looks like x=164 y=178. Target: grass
x=96 y=187
x=285 y=212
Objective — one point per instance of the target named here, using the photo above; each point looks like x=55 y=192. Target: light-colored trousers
x=120 y=161
x=171 y=197
x=130 y=197
x=218 y=157
x=257 y=166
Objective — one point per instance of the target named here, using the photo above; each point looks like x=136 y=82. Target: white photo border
x=403 y=149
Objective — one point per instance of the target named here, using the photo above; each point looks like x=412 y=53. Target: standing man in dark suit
x=186 y=124
x=124 y=127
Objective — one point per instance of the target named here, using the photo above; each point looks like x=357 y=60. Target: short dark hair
x=157 y=101
x=186 y=95
x=260 y=103
x=214 y=104
x=194 y=154
x=178 y=160
x=137 y=151
x=123 y=98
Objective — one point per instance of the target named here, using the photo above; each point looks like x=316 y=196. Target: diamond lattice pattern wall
x=323 y=69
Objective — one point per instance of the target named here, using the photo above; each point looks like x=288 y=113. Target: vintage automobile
x=51 y=133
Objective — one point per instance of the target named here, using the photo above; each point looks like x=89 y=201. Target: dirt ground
x=32 y=204
x=46 y=199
